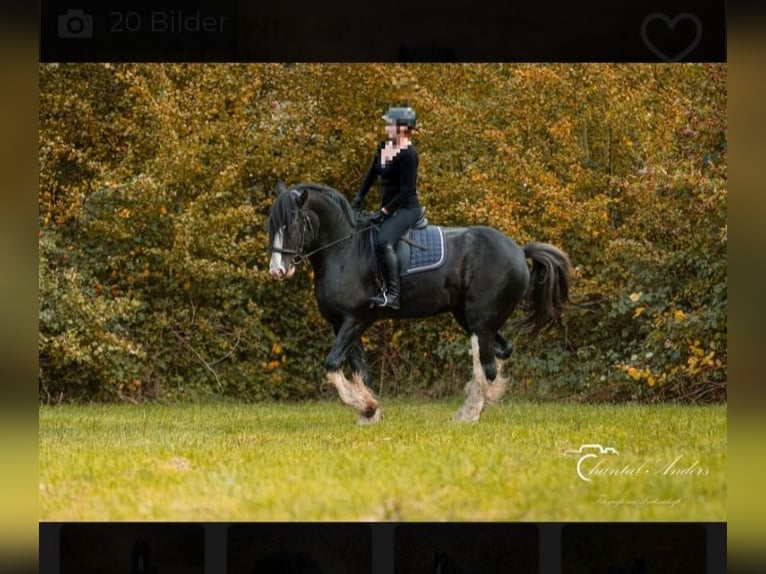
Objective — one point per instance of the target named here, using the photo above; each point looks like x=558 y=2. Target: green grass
x=309 y=462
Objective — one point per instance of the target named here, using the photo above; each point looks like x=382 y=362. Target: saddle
x=421 y=248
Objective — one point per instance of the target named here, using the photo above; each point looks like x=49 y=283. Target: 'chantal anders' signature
x=595 y=460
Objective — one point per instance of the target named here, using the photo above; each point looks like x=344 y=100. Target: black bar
x=365 y=548
x=395 y=31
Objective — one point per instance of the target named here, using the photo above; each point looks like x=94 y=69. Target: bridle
x=298 y=256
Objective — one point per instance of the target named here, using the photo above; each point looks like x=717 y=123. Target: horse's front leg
x=358 y=362
x=355 y=392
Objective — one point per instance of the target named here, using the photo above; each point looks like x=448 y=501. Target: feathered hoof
x=464 y=415
x=370 y=420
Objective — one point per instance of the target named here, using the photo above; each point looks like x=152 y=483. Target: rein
x=299 y=257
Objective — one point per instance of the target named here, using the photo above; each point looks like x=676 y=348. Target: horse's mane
x=285 y=210
x=335 y=196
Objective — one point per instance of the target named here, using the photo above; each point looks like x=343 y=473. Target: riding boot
x=390 y=296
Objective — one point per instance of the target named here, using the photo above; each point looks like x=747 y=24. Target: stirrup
x=391 y=303
x=379 y=299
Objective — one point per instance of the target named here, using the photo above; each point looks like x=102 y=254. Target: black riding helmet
x=400 y=116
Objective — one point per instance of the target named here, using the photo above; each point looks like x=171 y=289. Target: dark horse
x=483 y=279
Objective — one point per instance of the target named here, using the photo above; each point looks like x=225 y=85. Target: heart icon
x=670 y=25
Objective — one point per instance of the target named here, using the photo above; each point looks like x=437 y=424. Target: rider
x=396 y=162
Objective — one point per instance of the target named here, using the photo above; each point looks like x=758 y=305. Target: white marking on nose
x=277 y=265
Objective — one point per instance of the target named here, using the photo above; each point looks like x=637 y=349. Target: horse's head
x=287 y=231
x=306 y=219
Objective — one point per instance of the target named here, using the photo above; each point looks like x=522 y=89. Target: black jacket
x=398 y=179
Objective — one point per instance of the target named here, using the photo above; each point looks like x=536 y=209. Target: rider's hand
x=378 y=216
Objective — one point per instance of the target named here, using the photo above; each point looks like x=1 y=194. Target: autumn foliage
x=155 y=183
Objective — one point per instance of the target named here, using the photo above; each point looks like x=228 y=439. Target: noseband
x=297 y=254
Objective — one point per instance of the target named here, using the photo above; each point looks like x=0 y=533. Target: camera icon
x=75 y=24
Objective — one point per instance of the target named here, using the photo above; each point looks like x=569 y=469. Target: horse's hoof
x=370 y=411
x=466 y=416
x=368 y=420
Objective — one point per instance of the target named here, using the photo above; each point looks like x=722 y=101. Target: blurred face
x=391 y=130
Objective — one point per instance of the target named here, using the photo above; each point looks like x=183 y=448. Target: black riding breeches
x=394 y=226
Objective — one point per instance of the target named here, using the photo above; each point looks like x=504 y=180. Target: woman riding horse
x=483 y=276
x=396 y=163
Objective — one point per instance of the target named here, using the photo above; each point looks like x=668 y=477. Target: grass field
x=309 y=462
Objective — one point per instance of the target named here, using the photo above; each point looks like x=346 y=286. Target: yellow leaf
x=692 y=362
x=680 y=315
x=272 y=365
x=638 y=311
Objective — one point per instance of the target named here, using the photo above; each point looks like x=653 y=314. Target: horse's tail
x=548 y=289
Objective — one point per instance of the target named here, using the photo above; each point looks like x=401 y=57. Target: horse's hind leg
x=503 y=347
x=489 y=352
x=497 y=388
x=487 y=385
x=477 y=388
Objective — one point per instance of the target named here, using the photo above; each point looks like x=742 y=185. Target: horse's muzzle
x=280 y=267
x=280 y=274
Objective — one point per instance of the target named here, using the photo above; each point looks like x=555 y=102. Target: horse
x=481 y=280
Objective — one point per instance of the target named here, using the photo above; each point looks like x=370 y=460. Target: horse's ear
x=303 y=195
x=281 y=187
